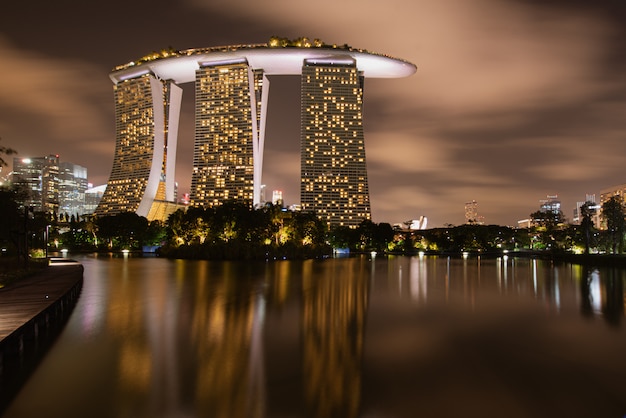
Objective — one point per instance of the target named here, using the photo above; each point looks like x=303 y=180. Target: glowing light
x=465 y=254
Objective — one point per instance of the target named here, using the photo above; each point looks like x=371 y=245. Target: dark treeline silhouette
x=236 y=231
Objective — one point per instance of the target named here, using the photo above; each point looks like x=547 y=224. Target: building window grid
x=334 y=146
x=223 y=147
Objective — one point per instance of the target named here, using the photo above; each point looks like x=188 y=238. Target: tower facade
x=333 y=180
x=226 y=130
x=72 y=187
x=38 y=177
x=471 y=212
x=146 y=128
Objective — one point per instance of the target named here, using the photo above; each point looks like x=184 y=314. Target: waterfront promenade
x=27 y=299
x=33 y=311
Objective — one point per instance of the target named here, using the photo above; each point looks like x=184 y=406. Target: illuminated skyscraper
x=226 y=131
x=333 y=170
x=72 y=187
x=471 y=212
x=550 y=205
x=277 y=197
x=232 y=91
x=618 y=191
x=38 y=178
x=146 y=115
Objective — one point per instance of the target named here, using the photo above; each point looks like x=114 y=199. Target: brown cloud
x=43 y=98
x=512 y=100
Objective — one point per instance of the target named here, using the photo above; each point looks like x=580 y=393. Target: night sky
x=513 y=100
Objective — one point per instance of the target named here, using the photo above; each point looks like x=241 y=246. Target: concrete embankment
x=33 y=311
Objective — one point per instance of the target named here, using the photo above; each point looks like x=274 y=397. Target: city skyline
x=512 y=100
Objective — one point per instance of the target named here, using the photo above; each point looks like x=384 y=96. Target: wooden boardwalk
x=33 y=312
x=23 y=301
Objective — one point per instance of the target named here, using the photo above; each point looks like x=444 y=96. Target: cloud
x=43 y=97
x=512 y=99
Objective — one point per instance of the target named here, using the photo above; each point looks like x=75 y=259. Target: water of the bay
x=350 y=337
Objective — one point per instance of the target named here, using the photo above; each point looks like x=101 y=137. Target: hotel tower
x=231 y=98
x=146 y=127
x=227 y=129
x=333 y=181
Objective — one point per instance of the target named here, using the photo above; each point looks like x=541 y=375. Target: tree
x=343 y=237
x=587 y=210
x=546 y=227
x=613 y=216
x=308 y=228
x=5 y=151
x=9 y=216
x=124 y=230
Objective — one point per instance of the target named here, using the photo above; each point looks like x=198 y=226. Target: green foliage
x=10 y=217
x=548 y=230
x=613 y=214
x=302 y=42
x=468 y=237
x=343 y=237
x=586 y=225
x=5 y=151
x=234 y=230
x=124 y=231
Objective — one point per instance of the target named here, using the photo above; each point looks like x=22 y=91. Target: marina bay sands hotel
x=231 y=100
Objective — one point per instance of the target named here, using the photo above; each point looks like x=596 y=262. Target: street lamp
x=45 y=242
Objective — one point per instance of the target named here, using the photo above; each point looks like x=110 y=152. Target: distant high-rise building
x=618 y=191
x=93 y=195
x=262 y=198
x=609 y=192
x=551 y=205
x=471 y=212
x=72 y=187
x=595 y=208
x=232 y=96
x=38 y=177
x=53 y=186
x=332 y=151
x=277 y=197
x=549 y=209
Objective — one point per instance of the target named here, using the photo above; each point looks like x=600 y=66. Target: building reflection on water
x=202 y=343
x=598 y=291
x=198 y=341
x=334 y=307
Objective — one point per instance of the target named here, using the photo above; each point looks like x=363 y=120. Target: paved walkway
x=22 y=301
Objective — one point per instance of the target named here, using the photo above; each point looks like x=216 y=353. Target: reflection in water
x=603 y=295
x=162 y=338
x=334 y=307
x=601 y=292
x=225 y=328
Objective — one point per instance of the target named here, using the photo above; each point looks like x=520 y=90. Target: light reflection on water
x=465 y=279
x=398 y=336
